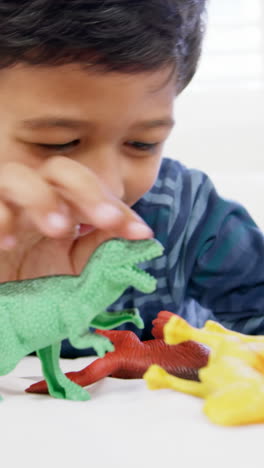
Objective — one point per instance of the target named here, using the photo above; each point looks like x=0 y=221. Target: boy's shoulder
x=177 y=194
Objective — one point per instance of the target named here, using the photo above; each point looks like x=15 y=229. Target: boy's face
x=106 y=121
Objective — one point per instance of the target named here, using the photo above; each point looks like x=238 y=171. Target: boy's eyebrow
x=167 y=122
x=62 y=122
x=49 y=122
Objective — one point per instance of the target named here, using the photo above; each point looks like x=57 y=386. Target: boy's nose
x=108 y=168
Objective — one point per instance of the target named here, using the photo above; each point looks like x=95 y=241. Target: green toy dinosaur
x=37 y=314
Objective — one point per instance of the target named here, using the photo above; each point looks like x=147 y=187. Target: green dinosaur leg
x=100 y=343
x=58 y=384
x=107 y=320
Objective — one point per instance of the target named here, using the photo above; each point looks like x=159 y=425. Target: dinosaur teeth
x=148 y=256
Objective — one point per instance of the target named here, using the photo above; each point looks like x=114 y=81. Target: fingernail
x=57 y=221
x=140 y=231
x=107 y=213
x=8 y=242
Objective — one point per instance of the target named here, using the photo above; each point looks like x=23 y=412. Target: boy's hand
x=59 y=195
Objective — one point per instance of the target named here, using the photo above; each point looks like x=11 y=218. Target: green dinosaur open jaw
x=142 y=251
x=134 y=276
x=141 y=280
x=120 y=258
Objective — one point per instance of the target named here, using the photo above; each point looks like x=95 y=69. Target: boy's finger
x=82 y=188
x=25 y=188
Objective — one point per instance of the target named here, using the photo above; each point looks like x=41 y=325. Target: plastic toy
x=232 y=383
x=36 y=315
x=132 y=357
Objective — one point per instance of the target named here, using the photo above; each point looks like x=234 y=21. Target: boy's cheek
x=147 y=176
x=11 y=151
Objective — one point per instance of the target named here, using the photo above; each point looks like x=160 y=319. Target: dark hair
x=112 y=35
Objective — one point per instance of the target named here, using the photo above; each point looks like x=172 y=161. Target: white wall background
x=220 y=116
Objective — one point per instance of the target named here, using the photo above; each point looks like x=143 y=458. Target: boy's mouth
x=84 y=229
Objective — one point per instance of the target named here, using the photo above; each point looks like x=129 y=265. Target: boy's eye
x=59 y=146
x=138 y=145
x=141 y=146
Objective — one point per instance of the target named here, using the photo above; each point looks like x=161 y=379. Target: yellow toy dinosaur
x=232 y=383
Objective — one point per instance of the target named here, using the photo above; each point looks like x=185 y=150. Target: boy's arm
x=223 y=261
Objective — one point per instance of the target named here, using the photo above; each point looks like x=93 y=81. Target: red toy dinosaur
x=132 y=357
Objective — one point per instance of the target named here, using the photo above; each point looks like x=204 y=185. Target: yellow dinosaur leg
x=216 y=327
x=236 y=392
x=221 y=343
x=236 y=404
x=212 y=334
x=157 y=378
x=177 y=330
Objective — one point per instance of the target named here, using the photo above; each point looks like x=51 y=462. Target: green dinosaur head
x=112 y=268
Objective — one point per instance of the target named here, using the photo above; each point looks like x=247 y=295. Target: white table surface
x=123 y=425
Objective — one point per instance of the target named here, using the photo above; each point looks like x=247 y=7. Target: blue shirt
x=213 y=262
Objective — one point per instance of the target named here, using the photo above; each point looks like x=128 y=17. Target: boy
x=87 y=90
